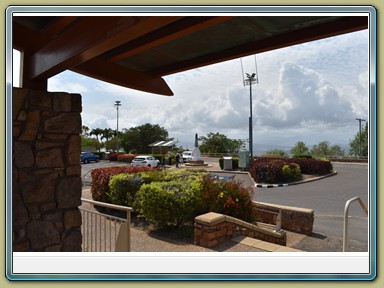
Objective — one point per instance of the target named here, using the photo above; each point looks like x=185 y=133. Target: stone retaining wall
x=46 y=178
x=212 y=229
x=292 y=218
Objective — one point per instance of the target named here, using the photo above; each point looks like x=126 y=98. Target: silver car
x=145 y=161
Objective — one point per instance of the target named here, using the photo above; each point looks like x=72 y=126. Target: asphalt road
x=327 y=197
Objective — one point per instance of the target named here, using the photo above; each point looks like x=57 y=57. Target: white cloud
x=305 y=92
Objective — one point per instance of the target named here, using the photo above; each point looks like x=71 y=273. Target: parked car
x=87 y=157
x=145 y=161
x=187 y=155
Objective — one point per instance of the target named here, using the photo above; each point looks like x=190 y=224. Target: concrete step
x=262 y=245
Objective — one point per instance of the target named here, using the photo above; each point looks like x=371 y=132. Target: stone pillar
x=46 y=188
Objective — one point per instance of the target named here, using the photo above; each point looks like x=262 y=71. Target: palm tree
x=85 y=130
x=97 y=132
x=107 y=134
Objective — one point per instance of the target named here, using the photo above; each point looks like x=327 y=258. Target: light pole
x=117 y=104
x=249 y=81
x=360 y=120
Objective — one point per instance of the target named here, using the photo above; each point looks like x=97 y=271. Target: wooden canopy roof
x=137 y=51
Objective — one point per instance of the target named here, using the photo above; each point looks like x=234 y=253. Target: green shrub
x=226 y=197
x=291 y=172
x=267 y=170
x=169 y=204
x=302 y=155
x=127 y=158
x=313 y=166
x=101 y=177
x=123 y=189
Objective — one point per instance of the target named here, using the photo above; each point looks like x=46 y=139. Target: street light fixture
x=251 y=79
x=117 y=104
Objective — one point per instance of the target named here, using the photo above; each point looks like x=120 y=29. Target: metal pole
x=360 y=120
x=117 y=104
x=250 y=122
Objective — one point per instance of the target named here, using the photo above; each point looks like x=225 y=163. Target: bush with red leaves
x=101 y=177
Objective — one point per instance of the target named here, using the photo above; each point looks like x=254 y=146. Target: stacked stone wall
x=292 y=218
x=46 y=186
x=212 y=229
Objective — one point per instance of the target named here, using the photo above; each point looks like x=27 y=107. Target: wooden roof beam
x=79 y=44
x=338 y=27
x=116 y=74
x=171 y=32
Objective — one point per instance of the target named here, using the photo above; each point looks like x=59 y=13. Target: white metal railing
x=84 y=177
x=346 y=209
x=105 y=233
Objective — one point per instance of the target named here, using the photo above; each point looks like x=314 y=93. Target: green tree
x=359 y=144
x=138 y=138
x=299 y=148
x=219 y=143
x=275 y=153
x=96 y=132
x=323 y=149
x=88 y=143
x=84 y=131
x=107 y=134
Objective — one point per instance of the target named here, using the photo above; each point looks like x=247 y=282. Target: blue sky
x=309 y=92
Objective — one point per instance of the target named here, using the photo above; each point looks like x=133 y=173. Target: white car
x=145 y=161
x=187 y=155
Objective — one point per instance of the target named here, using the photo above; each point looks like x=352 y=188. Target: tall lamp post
x=117 y=104
x=251 y=79
x=360 y=120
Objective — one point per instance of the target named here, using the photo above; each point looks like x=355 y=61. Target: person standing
x=177 y=160
x=163 y=161
x=170 y=158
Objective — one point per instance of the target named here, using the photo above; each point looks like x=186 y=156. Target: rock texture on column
x=46 y=188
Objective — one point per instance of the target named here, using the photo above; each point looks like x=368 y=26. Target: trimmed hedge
x=169 y=204
x=125 y=157
x=313 y=166
x=102 y=176
x=123 y=187
x=277 y=170
x=267 y=170
x=302 y=156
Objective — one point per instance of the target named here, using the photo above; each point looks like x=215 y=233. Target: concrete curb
x=257 y=185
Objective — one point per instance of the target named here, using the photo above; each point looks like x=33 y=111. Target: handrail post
x=129 y=230
x=346 y=209
x=278 y=221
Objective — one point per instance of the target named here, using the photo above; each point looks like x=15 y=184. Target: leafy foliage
x=300 y=149
x=359 y=144
x=219 y=143
x=324 y=149
x=102 y=176
x=226 y=197
x=267 y=170
x=275 y=153
x=125 y=157
x=313 y=166
x=169 y=204
x=138 y=138
x=123 y=189
x=277 y=170
x=291 y=172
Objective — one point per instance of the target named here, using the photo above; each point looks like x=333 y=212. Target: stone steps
x=263 y=245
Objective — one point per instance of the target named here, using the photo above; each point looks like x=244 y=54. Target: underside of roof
x=137 y=51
